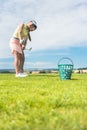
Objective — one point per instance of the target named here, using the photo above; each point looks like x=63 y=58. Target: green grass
x=43 y=102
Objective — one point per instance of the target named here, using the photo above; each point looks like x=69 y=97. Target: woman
x=18 y=43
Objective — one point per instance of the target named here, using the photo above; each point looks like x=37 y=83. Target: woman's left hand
x=23 y=46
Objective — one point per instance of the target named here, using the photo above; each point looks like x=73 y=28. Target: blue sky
x=62 y=31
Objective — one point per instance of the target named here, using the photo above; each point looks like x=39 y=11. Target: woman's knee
x=17 y=55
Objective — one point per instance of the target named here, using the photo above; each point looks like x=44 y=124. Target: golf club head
x=29 y=49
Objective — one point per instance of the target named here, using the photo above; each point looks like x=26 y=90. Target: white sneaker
x=21 y=75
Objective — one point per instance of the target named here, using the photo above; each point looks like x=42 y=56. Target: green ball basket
x=65 y=70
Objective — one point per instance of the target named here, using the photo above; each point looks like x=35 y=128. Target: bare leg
x=22 y=62
x=17 y=61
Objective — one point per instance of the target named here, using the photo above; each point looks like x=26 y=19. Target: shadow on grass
x=74 y=79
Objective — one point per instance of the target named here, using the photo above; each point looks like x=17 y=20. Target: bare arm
x=20 y=30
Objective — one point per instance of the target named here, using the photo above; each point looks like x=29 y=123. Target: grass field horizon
x=43 y=102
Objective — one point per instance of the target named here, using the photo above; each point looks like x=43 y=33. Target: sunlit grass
x=43 y=102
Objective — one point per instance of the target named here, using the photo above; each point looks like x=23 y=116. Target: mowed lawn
x=43 y=102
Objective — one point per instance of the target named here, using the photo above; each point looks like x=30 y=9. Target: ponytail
x=29 y=36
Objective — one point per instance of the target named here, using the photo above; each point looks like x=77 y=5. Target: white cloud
x=6 y=65
x=40 y=64
x=28 y=65
x=60 y=23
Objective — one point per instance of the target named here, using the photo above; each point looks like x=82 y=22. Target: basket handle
x=65 y=58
